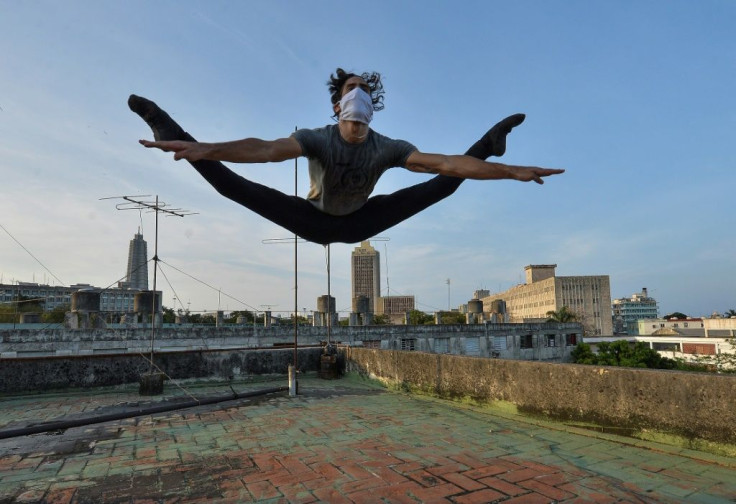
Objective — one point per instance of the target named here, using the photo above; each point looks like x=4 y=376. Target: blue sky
x=633 y=98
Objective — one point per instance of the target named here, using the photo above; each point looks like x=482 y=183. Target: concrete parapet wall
x=27 y=375
x=456 y=339
x=693 y=405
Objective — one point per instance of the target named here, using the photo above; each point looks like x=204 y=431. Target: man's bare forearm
x=248 y=150
x=471 y=168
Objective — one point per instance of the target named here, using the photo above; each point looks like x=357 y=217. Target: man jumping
x=345 y=162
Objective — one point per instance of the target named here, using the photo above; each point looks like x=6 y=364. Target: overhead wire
x=107 y=288
x=207 y=285
x=177 y=297
x=31 y=254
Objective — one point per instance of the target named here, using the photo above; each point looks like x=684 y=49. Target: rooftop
x=345 y=440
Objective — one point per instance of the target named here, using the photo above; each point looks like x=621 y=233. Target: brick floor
x=338 y=441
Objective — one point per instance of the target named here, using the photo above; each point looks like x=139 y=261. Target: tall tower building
x=366 y=274
x=137 y=275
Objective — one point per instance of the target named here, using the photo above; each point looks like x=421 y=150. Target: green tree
x=582 y=354
x=729 y=313
x=168 y=315
x=676 y=315
x=621 y=353
x=562 y=315
x=8 y=313
x=300 y=320
x=608 y=354
x=452 y=317
x=56 y=316
x=246 y=314
x=417 y=317
x=25 y=304
x=381 y=319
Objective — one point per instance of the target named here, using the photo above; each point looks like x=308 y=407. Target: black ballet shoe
x=495 y=139
x=162 y=125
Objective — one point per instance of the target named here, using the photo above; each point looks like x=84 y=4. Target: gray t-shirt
x=342 y=175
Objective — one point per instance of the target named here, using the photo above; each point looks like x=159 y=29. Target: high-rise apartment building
x=589 y=297
x=365 y=274
x=627 y=312
x=136 y=277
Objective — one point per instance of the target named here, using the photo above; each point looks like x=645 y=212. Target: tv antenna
x=156 y=206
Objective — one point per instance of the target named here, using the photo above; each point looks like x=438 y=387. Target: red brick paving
x=521 y=475
x=503 y=486
x=480 y=497
x=348 y=449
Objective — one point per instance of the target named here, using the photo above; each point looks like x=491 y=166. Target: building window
x=472 y=346
x=526 y=341
x=499 y=343
x=372 y=344
x=408 y=344
x=550 y=340
x=441 y=345
x=571 y=339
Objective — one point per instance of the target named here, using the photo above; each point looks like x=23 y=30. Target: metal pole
x=17 y=302
x=329 y=298
x=296 y=284
x=155 y=268
x=448 y=294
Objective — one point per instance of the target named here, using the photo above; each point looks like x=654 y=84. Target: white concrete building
x=693 y=327
x=589 y=297
x=720 y=327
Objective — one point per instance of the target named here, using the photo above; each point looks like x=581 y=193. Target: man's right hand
x=191 y=151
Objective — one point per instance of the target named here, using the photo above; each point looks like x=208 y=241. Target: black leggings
x=302 y=218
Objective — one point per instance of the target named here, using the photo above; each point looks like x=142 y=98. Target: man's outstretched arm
x=248 y=150
x=472 y=168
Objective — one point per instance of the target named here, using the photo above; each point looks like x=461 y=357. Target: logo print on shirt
x=352 y=179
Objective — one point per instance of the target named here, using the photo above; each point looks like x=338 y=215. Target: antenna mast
x=155 y=206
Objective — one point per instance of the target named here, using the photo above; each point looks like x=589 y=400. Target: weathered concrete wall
x=26 y=375
x=693 y=405
x=485 y=340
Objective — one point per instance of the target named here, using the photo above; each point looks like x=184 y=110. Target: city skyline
x=633 y=99
x=370 y=260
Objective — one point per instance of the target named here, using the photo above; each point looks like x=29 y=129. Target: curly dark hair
x=373 y=79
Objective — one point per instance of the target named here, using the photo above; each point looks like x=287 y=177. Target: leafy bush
x=621 y=353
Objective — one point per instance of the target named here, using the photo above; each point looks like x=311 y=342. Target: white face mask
x=356 y=105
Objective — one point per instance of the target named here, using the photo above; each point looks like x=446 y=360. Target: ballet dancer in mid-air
x=345 y=161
